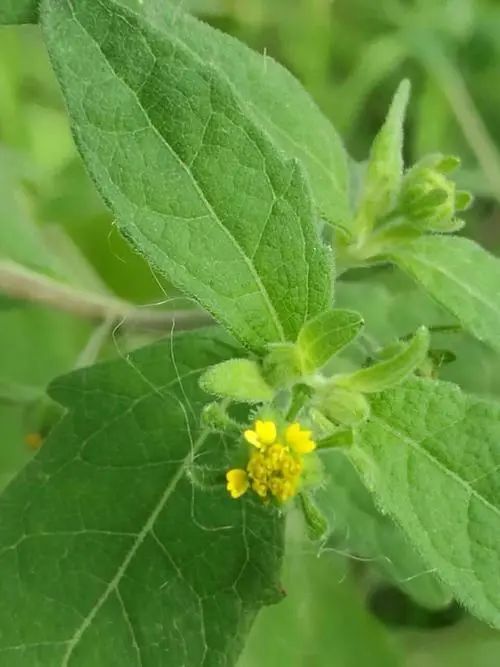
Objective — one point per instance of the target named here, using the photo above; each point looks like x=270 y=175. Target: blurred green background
x=350 y=55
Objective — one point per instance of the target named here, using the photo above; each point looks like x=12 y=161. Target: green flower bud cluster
x=429 y=199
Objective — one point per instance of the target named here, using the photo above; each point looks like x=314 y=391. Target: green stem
x=301 y=393
x=18 y=282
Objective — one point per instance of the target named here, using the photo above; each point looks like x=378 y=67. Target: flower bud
x=429 y=199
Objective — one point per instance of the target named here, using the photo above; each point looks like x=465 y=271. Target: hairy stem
x=20 y=283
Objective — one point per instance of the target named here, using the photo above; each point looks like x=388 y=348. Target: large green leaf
x=109 y=554
x=18 y=11
x=431 y=455
x=462 y=276
x=195 y=184
x=359 y=528
x=272 y=96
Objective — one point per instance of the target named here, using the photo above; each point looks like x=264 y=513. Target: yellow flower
x=299 y=440
x=264 y=433
x=237 y=482
x=273 y=470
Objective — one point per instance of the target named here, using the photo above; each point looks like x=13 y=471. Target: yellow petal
x=237 y=482
x=266 y=431
x=251 y=437
x=305 y=446
x=299 y=440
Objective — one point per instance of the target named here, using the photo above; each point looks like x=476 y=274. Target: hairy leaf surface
x=196 y=185
x=361 y=529
x=431 y=455
x=272 y=96
x=18 y=11
x=462 y=276
x=109 y=554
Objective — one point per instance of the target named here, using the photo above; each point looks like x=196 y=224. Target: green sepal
x=446 y=164
x=384 y=171
x=237 y=379
x=463 y=200
x=316 y=523
x=343 y=406
x=390 y=372
x=325 y=335
x=341 y=437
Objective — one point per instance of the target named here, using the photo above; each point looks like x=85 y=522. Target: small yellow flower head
x=274 y=469
x=237 y=482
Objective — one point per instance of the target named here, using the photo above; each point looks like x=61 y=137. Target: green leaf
x=238 y=379
x=118 y=556
x=362 y=530
x=322 y=621
x=262 y=86
x=325 y=335
x=18 y=11
x=195 y=183
x=431 y=456
x=460 y=275
x=384 y=171
x=387 y=373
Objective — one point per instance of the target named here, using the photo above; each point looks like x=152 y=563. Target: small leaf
x=387 y=373
x=325 y=335
x=193 y=178
x=431 y=456
x=121 y=557
x=237 y=379
x=384 y=171
x=460 y=275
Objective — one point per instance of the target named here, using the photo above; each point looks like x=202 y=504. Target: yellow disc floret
x=274 y=469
